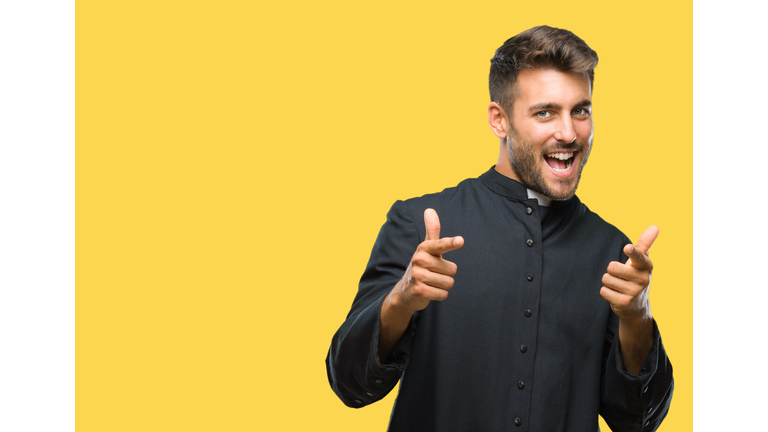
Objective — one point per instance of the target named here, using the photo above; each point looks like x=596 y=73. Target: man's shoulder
x=448 y=202
x=447 y=195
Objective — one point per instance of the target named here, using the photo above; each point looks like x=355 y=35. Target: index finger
x=443 y=245
x=637 y=259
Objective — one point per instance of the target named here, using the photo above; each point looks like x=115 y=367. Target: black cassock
x=524 y=341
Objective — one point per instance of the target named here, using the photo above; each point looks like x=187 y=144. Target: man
x=531 y=313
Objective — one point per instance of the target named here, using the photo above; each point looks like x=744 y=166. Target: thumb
x=647 y=238
x=433 y=224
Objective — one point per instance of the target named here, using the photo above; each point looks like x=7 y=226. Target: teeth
x=561 y=156
x=568 y=164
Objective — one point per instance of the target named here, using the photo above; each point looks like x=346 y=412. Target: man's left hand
x=626 y=285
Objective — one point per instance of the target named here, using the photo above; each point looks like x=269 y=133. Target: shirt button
x=518 y=422
x=530 y=243
x=528 y=210
x=645 y=389
x=521 y=385
x=530 y=277
x=523 y=348
x=358 y=401
x=650 y=408
x=528 y=312
x=379 y=381
x=647 y=423
x=369 y=394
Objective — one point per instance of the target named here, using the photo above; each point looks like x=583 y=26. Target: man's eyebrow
x=543 y=106
x=552 y=105
x=584 y=103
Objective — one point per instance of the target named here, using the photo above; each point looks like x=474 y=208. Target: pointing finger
x=637 y=259
x=433 y=224
x=443 y=245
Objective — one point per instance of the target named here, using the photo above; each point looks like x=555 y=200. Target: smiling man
x=531 y=313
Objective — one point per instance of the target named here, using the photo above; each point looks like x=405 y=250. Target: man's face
x=550 y=131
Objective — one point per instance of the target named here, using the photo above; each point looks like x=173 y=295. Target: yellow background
x=235 y=161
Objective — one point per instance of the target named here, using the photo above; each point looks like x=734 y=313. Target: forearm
x=394 y=322
x=635 y=339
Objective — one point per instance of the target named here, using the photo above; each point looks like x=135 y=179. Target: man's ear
x=498 y=120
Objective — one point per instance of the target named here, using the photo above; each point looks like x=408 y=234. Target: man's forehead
x=549 y=86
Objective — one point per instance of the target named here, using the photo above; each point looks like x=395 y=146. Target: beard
x=525 y=163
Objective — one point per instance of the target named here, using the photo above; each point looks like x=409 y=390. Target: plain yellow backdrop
x=236 y=159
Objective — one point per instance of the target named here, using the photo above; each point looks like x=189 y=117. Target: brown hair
x=539 y=47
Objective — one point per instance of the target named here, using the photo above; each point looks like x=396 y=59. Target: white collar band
x=543 y=201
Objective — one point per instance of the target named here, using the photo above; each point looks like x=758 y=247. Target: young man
x=531 y=312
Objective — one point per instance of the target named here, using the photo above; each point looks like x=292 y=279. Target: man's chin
x=565 y=196
x=560 y=189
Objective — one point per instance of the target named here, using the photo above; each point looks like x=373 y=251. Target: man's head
x=541 y=86
x=540 y=47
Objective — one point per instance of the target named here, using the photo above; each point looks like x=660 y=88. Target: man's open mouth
x=560 y=162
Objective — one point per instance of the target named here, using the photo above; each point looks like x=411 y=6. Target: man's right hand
x=429 y=276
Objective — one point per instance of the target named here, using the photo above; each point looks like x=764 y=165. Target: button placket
x=529 y=297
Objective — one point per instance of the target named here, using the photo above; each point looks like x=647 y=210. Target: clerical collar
x=512 y=189
x=503 y=185
x=543 y=201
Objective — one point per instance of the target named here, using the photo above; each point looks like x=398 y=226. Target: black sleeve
x=354 y=370
x=629 y=402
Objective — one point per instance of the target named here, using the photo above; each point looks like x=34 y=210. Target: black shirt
x=524 y=341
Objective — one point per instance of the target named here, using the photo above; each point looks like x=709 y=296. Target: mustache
x=574 y=146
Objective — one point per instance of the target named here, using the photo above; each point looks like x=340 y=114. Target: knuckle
x=419 y=290
x=442 y=295
x=419 y=260
x=449 y=283
x=452 y=268
x=418 y=273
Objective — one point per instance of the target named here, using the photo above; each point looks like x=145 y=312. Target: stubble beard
x=524 y=162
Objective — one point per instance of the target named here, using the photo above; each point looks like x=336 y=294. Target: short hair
x=541 y=47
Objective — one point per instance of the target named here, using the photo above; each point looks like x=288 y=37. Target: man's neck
x=506 y=170
x=504 y=167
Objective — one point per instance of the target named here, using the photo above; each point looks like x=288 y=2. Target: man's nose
x=565 y=131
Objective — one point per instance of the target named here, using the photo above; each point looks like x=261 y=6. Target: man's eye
x=580 y=112
x=543 y=114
